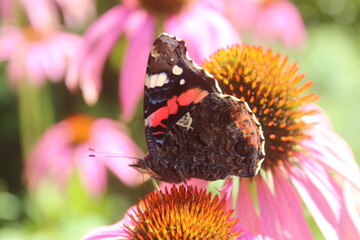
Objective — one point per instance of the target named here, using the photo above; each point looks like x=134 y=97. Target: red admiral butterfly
x=192 y=129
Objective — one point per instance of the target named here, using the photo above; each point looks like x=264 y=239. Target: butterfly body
x=192 y=129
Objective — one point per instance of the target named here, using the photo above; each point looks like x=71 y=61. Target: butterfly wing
x=173 y=85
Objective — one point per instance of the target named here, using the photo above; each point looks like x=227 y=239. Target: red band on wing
x=194 y=95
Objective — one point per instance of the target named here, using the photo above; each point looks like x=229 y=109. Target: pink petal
x=76 y=13
x=269 y=211
x=245 y=209
x=131 y=81
x=282 y=20
x=91 y=170
x=319 y=206
x=115 y=231
x=349 y=219
x=334 y=154
x=44 y=16
x=292 y=219
x=226 y=193
x=10 y=39
x=34 y=71
x=87 y=66
x=204 y=30
x=48 y=159
x=110 y=136
x=242 y=13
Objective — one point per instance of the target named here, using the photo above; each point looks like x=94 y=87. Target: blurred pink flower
x=63 y=148
x=198 y=22
x=48 y=13
x=268 y=20
x=36 y=56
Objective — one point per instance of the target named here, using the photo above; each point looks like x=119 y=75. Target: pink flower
x=63 y=148
x=198 y=22
x=306 y=161
x=268 y=20
x=36 y=55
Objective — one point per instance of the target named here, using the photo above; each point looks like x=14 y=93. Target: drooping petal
x=324 y=212
x=44 y=16
x=281 y=20
x=140 y=31
x=245 y=209
x=92 y=171
x=76 y=13
x=115 y=231
x=48 y=159
x=269 y=211
x=350 y=213
x=86 y=68
x=110 y=136
x=292 y=219
x=10 y=38
x=334 y=153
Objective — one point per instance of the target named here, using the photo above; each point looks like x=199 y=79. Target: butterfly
x=192 y=129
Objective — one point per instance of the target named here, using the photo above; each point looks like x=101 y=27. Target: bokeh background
x=330 y=57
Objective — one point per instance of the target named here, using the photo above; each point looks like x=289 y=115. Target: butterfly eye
x=172 y=60
x=242 y=148
x=165 y=55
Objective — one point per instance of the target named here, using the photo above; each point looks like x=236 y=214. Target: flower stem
x=35 y=112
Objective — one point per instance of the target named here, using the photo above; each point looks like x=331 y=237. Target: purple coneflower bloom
x=63 y=148
x=306 y=161
x=36 y=55
x=198 y=22
x=178 y=213
x=268 y=20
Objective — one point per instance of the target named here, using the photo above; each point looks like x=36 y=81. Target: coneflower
x=306 y=161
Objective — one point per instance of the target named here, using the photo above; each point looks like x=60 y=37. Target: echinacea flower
x=62 y=149
x=306 y=161
x=36 y=55
x=268 y=21
x=180 y=213
x=197 y=21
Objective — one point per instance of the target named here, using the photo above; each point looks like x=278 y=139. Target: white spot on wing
x=147 y=80
x=152 y=80
x=161 y=80
x=176 y=70
x=182 y=81
x=156 y=80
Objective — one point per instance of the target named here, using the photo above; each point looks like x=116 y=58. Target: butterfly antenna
x=156 y=186
x=99 y=153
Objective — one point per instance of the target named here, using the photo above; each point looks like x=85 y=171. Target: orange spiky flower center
x=164 y=7
x=80 y=127
x=270 y=85
x=184 y=213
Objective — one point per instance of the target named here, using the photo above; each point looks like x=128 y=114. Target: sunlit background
x=329 y=54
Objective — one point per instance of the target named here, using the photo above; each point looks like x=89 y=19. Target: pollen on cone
x=182 y=213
